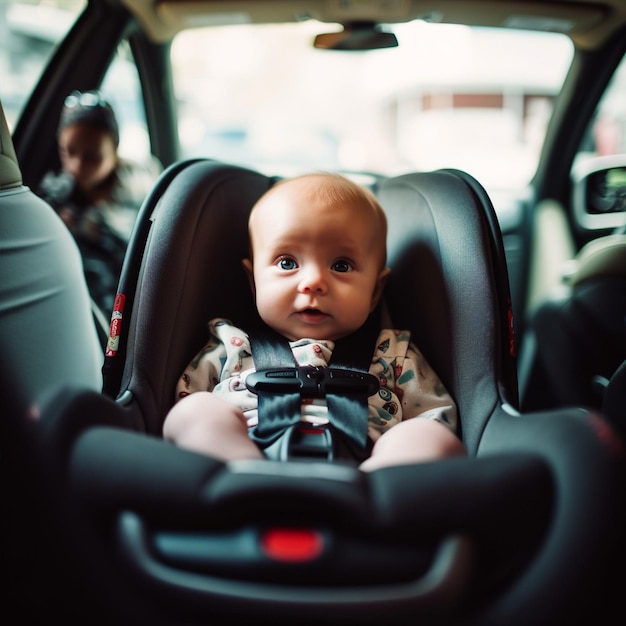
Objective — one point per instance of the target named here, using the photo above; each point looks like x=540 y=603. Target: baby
x=317 y=268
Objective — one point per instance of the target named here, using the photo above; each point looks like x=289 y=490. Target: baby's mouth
x=311 y=315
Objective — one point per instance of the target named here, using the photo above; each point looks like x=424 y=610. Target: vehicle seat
x=576 y=338
x=45 y=320
x=614 y=405
x=50 y=351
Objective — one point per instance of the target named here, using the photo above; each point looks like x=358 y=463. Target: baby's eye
x=342 y=266
x=285 y=263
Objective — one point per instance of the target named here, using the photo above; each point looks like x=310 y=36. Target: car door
x=576 y=304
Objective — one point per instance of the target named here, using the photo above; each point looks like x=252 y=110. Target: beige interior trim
x=552 y=248
x=587 y=23
x=605 y=256
x=10 y=174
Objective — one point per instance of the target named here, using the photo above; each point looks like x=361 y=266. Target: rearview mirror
x=357 y=36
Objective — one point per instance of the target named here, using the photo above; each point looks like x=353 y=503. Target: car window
x=447 y=96
x=30 y=30
x=122 y=88
x=607 y=131
x=598 y=200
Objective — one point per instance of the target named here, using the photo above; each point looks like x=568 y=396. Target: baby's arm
x=202 y=372
x=422 y=392
x=201 y=420
x=432 y=434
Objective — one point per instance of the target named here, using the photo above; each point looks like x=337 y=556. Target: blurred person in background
x=96 y=193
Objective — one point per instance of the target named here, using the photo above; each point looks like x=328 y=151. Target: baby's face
x=318 y=266
x=88 y=154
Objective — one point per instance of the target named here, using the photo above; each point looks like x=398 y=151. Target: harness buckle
x=313 y=381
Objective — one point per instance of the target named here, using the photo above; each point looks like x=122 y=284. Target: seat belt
x=281 y=384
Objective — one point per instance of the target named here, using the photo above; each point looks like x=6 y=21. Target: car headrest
x=10 y=174
x=605 y=256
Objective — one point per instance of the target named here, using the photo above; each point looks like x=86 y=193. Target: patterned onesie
x=408 y=385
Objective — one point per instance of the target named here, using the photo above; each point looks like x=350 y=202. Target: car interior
x=104 y=521
x=580 y=329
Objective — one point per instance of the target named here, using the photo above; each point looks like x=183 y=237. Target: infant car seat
x=526 y=530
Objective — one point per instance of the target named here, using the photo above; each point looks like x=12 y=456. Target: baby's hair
x=340 y=190
x=344 y=189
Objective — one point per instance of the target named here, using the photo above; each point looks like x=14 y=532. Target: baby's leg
x=208 y=424
x=414 y=441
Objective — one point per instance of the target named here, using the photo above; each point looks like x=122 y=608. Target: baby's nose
x=313 y=280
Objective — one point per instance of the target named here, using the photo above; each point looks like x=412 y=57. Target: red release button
x=292 y=544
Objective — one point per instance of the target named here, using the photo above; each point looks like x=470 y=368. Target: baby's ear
x=247 y=266
x=381 y=281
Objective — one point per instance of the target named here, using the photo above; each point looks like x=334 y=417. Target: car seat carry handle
x=281 y=384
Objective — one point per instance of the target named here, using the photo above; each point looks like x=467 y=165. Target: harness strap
x=281 y=384
x=278 y=408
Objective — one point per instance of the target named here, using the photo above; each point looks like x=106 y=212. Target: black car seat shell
x=203 y=212
x=490 y=538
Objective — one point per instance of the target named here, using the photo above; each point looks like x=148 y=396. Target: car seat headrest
x=10 y=173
